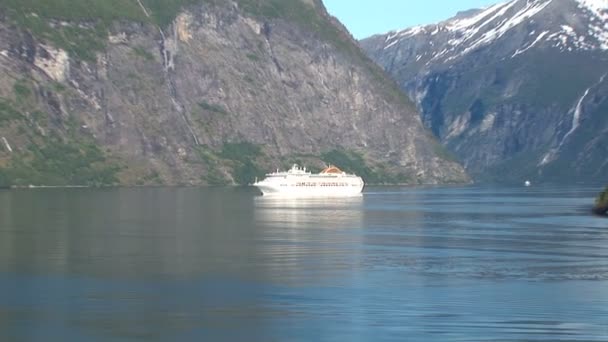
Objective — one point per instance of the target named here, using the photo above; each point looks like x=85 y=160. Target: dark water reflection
x=442 y=264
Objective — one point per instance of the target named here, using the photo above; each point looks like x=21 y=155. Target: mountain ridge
x=504 y=86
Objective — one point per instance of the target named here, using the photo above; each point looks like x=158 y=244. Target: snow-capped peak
x=549 y=21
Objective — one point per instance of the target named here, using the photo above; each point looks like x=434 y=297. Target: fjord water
x=416 y=264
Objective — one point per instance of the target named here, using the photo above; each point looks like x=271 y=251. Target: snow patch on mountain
x=530 y=10
x=538 y=39
x=460 y=36
x=598 y=7
x=597 y=29
x=470 y=23
x=412 y=31
x=568 y=39
x=599 y=22
x=465 y=29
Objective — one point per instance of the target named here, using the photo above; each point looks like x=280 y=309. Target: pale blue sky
x=364 y=18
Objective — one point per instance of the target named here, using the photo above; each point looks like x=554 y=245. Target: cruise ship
x=331 y=182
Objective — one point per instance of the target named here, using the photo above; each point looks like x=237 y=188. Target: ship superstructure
x=300 y=182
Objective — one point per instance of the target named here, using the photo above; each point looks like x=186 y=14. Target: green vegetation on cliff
x=49 y=159
x=59 y=163
x=162 y=12
x=7 y=112
x=601 y=203
x=86 y=23
x=353 y=162
x=242 y=157
x=44 y=20
x=242 y=161
x=245 y=161
x=81 y=26
x=65 y=163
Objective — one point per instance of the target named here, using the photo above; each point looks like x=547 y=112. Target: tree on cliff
x=601 y=203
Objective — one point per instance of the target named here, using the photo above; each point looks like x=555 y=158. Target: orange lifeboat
x=332 y=170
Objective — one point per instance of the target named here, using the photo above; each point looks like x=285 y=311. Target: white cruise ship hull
x=331 y=182
x=310 y=190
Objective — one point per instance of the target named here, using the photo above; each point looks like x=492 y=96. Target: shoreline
x=119 y=186
x=600 y=211
x=601 y=204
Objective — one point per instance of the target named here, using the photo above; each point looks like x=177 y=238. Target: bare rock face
x=516 y=91
x=216 y=96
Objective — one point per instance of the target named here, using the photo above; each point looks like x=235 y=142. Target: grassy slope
x=105 y=11
x=41 y=18
x=50 y=159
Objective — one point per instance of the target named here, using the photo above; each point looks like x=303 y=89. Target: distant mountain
x=198 y=92
x=516 y=90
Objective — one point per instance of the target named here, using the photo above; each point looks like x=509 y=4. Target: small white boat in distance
x=297 y=182
x=528 y=183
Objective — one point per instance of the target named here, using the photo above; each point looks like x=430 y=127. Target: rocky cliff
x=518 y=90
x=197 y=92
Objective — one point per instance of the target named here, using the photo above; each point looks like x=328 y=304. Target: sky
x=364 y=18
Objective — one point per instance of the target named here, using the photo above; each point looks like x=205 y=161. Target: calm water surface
x=415 y=264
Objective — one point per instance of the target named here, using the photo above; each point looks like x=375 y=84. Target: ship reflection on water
x=289 y=212
x=296 y=231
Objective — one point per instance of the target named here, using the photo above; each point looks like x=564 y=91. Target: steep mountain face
x=197 y=92
x=516 y=90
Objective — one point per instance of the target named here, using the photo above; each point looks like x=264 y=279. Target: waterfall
x=576 y=117
x=8 y=147
x=167 y=57
x=576 y=120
